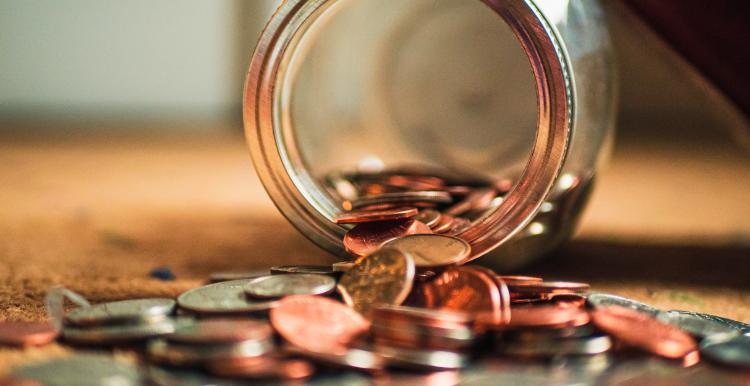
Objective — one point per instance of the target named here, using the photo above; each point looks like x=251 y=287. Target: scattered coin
x=221 y=330
x=728 y=349
x=178 y=354
x=229 y=276
x=547 y=316
x=643 y=331
x=433 y=250
x=556 y=347
x=136 y=310
x=422 y=359
x=351 y=358
x=317 y=324
x=366 y=238
x=384 y=277
x=27 y=334
x=429 y=217
x=697 y=324
x=600 y=300
x=276 y=286
x=222 y=298
x=81 y=369
x=740 y=327
x=264 y=368
x=113 y=334
x=520 y=280
x=356 y=217
x=295 y=269
x=342 y=266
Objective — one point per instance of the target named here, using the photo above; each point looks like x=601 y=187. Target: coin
x=429 y=217
x=422 y=359
x=415 y=182
x=740 y=327
x=643 y=331
x=366 y=238
x=351 y=358
x=410 y=197
x=111 y=334
x=580 y=346
x=264 y=368
x=123 y=311
x=384 y=277
x=520 y=280
x=478 y=199
x=295 y=269
x=432 y=250
x=547 y=316
x=229 y=276
x=342 y=266
x=445 y=224
x=727 y=349
x=81 y=369
x=355 y=217
x=26 y=334
x=221 y=330
x=458 y=226
x=276 y=286
x=178 y=354
x=468 y=289
x=226 y=297
x=546 y=290
x=317 y=324
x=697 y=324
x=599 y=300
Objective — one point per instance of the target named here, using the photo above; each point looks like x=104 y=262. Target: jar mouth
x=299 y=195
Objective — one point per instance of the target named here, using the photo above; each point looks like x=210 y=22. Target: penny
x=415 y=182
x=176 y=354
x=546 y=290
x=582 y=346
x=422 y=316
x=221 y=330
x=264 y=368
x=458 y=226
x=445 y=224
x=697 y=324
x=547 y=316
x=478 y=199
x=276 y=286
x=432 y=250
x=384 y=277
x=226 y=297
x=436 y=196
x=111 y=334
x=467 y=289
x=727 y=349
x=643 y=331
x=520 y=280
x=317 y=324
x=81 y=369
x=429 y=217
x=229 y=276
x=422 y=359
x=351 y=358
x=361 y=216
x=600 y=300
x=26 y=334
x=134 y=310
x=295 y=269
x=366 y=238
x=569 y=300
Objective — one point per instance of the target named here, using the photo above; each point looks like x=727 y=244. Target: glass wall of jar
x=515 y=93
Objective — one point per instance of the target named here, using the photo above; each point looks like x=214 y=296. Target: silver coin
x=223 y=298
x=104 y=335
x=123 y=311
x=81 y=370
x=353 y=358
x=727 y=349
x=599 y=300
x=217 y=277
x=295 y=269
x=698 y=324
x=432 y=250
x=276 y=286
x=422 y=359
x=434 y=196
x=555 y=347
x=178 y=354
x=740 y=327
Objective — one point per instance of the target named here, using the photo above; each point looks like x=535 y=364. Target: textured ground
x=668 y=224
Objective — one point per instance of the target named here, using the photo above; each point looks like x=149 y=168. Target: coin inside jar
x=409 y=197
x=276 y=286
x=355 y=217
x=366 y=238
x=121 y=311
x=432 y=250
x=384 y=277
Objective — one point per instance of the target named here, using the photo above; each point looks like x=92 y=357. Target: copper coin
x=415 y=182
x=263 y=368
x=445 y=224
x=569 y=300
x=429 y=217
x=640 y=330
x=478 y=199
x=520 y=280
x=432 y=196
x=546 y=290
x=317 y=324
x=466 y=289
x=366 y=238
x=361 y=216
x=421 y=316
x=432 y=250
x=458 y=226
x=25 y=334
x=384 y=277
x=547 y=316
x=221 y=330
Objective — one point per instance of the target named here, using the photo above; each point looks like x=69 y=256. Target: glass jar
x=514 y=90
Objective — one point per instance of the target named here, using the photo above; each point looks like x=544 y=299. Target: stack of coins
x=125 y=321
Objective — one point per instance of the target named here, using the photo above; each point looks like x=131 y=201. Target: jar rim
x=295 y=193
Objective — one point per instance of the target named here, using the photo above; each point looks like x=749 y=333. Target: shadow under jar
x=511 y=92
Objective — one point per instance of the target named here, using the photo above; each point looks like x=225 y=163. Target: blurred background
x=121 y=146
